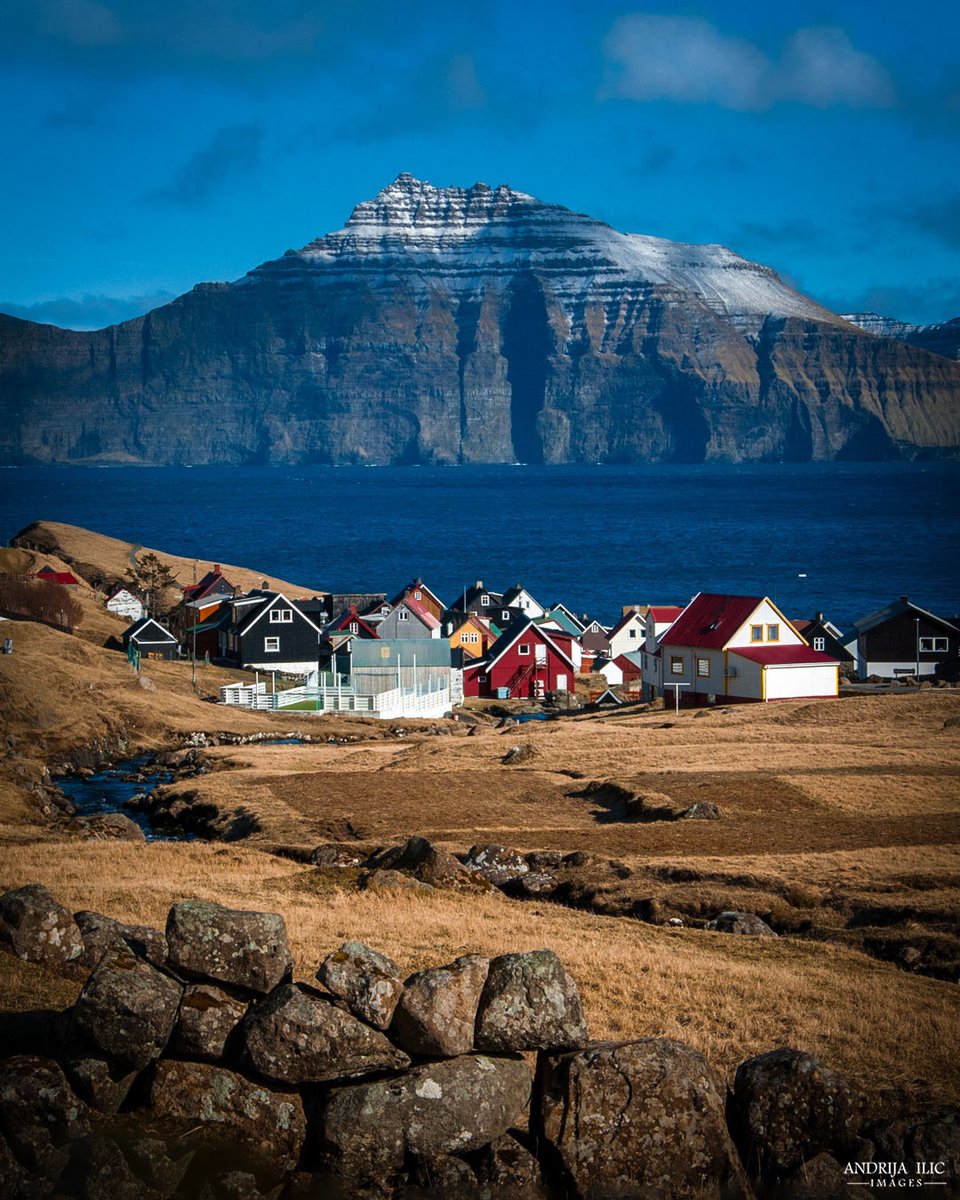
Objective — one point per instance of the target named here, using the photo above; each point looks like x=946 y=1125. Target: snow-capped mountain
x=941 y=338
x=476 y=325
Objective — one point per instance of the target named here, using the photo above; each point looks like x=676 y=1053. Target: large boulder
x=208 y=1017
x=368 y=981
x=35 y=927
x=39 y=1113
x=450 y=1107
x=638 y=1120
x=127 y=1008
x=244 y=949
x=228 y=1104
x=507 y=1170
x=497 y=863
x=931 y=1137
x=437 y=1013
x=748 y=924
x=297 y=1036
x=99 y=933
x=788 y=1107
x=529 y=1002
x=110 y=826
x=430 y=864
x=101 y=1083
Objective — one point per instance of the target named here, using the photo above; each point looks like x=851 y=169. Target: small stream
x=108 y=791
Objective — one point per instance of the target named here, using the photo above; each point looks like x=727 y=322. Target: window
x=481 y=679
x=756 y=633
x=703 y=668
x=281 y=616
x=820 y=643
x=505 y=615
x=271 y=645
x=484 y=601
x=474 y=638
x=403 y=615
x=773 y=633
x=676 y=664
x=935 y=644
x=523 y=648
x=417 y=596
x=633 y=633
x=354 y=626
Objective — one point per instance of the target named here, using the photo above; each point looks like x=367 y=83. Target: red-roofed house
x=729 y=649
x=214 y=582
x=350 y=621
x=419 y=592
x=63 y=578
x=525 y=662
x=409 y=619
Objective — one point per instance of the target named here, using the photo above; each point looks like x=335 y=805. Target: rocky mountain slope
x=942 y=338
x=476 y=325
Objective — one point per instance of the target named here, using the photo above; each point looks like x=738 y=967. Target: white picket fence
x=388 y=705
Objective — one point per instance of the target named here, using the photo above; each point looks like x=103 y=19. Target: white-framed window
x=935 y=645
x=271 y=645
x=676 y=664
x=280 y=616
x=773 y=633
x=756 y=633
x=632 y=633
x=484 y=601
x=523 y=648
x=403 y=615
x=703 y=668
x=474 y=638
x=505 y=615
x=354 y=626
x=417 y=596
x=820 y=643
x=481 y=679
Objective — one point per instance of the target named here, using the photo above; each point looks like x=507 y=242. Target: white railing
x=430 y=701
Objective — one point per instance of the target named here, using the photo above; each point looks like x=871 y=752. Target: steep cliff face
x=476 y=325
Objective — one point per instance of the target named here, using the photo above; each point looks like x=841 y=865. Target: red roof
x=49 y=575
x=802 y=624
x=710 y=620
x=785 y=655
x=425 y=616
x=665 y=612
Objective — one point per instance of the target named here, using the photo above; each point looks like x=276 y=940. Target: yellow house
x=472 y=636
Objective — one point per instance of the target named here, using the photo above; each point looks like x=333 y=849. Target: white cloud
x=687 y=60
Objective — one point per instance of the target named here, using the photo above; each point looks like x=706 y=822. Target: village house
x=269 y=632
x=212 y=583
x=350 y=621
x=902 y=639
x=124 y=603
x=409 y=619
x=563 y=618
x=519 y=598
x=824 y=636
x=728 y=649
x=526 y=662
x=62 y=578
x=422 y=595
x=626 y=670
x=470 y=635
x=627 y=634
x=151 y=640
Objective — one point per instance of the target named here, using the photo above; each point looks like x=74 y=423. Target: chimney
x=904 y=600
x=216 y=568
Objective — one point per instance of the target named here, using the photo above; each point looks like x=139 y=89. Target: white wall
x=765 y=614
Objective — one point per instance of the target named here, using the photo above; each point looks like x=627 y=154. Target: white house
x=627 y=634
x=728 y=649
x=125 y=604
x=519 y=597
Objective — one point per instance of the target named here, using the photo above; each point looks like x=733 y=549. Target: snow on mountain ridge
x=464 y=235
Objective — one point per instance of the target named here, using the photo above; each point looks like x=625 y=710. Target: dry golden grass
x=729 y=997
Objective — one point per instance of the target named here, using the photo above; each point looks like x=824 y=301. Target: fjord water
x=844 y=539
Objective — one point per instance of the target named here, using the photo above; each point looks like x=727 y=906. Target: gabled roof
x=140 y=629
x=271 y=602
x=896 y=609
x=664 y=612
x=561 y=608
x=632 y=657
x=119 y=591
x=710 y=620
x=213 y=581
x=516 y=630
x=472 y=619
x=64 y=578
x=348 y=617
x=778 y=656
x=420 y=612
x=417 y=585
x=631 y=615
x=513 y=593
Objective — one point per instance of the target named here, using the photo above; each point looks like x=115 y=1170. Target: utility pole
x=193 y=652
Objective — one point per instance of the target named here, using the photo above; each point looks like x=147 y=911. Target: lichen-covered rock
x=748 y=924
x=437 y=1013
x=703 y=810
x=368 y=981
x=788 y=1107
x=298 y=1036
x=445 y=1177
x=99 y=933
x=506 y=1170
x=33 y=926
x=392 y=881
x=229 y=1104
x=529 y=1002
x=95 y=1079
x=224 y=945
x=110 y=826
x=448 y=1107
x=497 y=863
x=638 y=1120
x=161 y=1165
x=928 y=1137
x=127 y=1008
x=208 y=1017
x=431 y=865
x=39 y=1113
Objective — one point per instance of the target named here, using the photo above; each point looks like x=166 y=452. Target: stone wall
x=193 y=1065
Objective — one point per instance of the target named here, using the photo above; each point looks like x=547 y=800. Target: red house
x=349 y=621
x=525 y=662
x=63 y=578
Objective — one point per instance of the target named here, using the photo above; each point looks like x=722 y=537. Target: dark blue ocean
x=842 y=539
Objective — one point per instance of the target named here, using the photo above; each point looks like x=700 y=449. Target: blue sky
x=151 y=146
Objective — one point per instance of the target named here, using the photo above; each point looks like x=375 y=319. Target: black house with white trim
x=269 y=632
x=151 y=639
x=903 y=639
